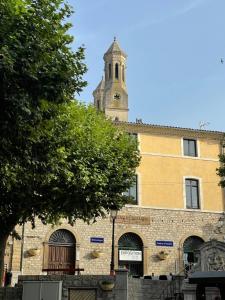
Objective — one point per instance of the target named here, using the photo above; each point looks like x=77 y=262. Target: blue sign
x=164 y=243
x=97 y=240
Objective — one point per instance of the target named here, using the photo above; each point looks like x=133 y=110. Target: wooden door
x=61 y=252
x=61 y=257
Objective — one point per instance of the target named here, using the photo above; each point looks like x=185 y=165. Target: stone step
x=149 y=289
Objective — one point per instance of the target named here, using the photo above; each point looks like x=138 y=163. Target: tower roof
x=100 y=86
x=115 y=48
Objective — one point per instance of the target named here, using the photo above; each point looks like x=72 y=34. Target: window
x=190 y=245
x=109 y=71
x=133 y=135
x=132 y=192
x=116 y=71
x=98 y=104
x=134 y=138
x=192 y=193
x=190 y=148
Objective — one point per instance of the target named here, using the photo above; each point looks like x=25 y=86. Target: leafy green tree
x=58 y=158
x=221 y=169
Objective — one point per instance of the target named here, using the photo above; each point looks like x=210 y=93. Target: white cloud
x=188 y=8
x=176 y=13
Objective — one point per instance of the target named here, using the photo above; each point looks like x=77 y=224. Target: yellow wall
x=163 y=170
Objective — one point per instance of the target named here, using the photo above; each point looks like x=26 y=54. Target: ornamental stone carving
x=211 y=256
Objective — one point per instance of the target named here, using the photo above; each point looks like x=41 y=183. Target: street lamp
x=113 y=215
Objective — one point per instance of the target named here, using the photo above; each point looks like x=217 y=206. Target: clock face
x=116 y=96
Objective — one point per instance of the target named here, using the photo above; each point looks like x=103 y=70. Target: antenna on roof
x=203 y=124
x=139 y=121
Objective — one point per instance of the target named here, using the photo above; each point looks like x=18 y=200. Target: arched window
x=130 y=241
x=62 y=236
x=123 y=73
x=191 y=244
x=110 y=72
x=98 y=104
x=130 y=248
x=117 y=71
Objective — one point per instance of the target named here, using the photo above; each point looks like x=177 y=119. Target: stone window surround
x=46 y=243
x=145 y=253
x=197 y=147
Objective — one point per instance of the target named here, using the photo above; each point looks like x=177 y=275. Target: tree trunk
x=3 y=240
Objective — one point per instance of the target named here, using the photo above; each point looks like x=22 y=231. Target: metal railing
x=173 y=288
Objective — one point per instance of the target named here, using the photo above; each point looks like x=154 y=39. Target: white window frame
x=197 y=147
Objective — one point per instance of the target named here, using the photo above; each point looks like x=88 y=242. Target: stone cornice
x=170 y=131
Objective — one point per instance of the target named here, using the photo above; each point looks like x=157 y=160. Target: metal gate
x=82 y=294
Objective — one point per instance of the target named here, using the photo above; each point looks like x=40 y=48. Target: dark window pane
x=116 y=71
x=132 y=192
x=190 y=148
x=192 y=193
x=188 y=196
x=109 y=71
x=194 y=196
x=133 y=135
x=188 y=182
x=185 y=147
x=98 y=104
x=194 y=182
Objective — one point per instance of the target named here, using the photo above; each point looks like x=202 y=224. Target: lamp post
x=113 y=215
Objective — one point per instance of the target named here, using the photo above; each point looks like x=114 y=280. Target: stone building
x=177 y=202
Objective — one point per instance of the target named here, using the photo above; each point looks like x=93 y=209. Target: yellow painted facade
x=160 y=214
x=164 y=168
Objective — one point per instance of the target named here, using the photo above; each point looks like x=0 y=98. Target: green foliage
x=221 y=169
x=77 y=166
x=58 y=158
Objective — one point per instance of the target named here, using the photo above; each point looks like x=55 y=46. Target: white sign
x=133 y=255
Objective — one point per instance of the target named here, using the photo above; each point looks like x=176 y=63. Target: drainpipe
x=22 y=246
x=11 y=248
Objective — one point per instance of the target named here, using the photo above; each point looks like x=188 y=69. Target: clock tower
x=111 y=94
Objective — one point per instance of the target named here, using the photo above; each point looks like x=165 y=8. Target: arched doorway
x=61 y=252
x=191 y=244
x=130 y=253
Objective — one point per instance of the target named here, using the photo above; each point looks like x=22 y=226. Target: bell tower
x=111 y=94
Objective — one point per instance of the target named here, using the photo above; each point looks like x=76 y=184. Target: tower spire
x=112 y=94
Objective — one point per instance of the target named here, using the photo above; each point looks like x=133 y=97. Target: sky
x=174 y=72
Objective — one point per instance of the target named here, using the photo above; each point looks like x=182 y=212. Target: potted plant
x=107 y=285
x=96 y=253
x=33 y=251
x=162 y=255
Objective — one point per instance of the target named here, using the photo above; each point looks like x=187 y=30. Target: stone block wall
x=11 y=293
x=119 y=291
x=148 y=223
